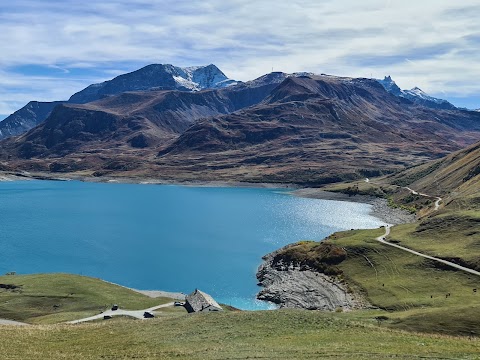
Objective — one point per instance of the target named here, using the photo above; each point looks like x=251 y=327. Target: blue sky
x=53 y=48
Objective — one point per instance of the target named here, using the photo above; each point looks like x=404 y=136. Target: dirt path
x=137 y=314
x=11 y=322
x=437 y=202
x=436 y=207
x=456 y=266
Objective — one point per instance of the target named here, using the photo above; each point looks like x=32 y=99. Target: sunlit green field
x=54 y=298
x=233 y=335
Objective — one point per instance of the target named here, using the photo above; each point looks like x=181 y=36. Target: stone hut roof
x=200 y=301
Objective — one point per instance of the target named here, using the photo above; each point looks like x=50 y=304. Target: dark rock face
x=415 y=95
x=151 y=77
x=26 y=118
x=155 y=77
x=139 y=141
x=390 y=86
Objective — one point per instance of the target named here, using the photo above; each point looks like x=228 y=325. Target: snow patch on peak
x=197 y=78
x=185 y=83
x=416 y=92
x=416 y=95
x=157 y=77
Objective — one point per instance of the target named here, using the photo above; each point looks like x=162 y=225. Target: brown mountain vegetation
x=300 y=129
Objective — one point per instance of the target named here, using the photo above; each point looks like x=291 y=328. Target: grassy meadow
x=409 y=292
x=285 y=334
x=54 y=298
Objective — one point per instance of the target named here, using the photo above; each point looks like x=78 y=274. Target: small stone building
x=200 y=301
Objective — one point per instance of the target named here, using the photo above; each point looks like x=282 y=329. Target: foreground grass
x=53 y=298
x=232 y=335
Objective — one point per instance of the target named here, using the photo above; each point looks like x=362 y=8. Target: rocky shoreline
x=380 y=208
x=293 y=286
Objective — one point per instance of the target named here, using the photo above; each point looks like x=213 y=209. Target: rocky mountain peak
x=390 y=86
x=157 y=77
x=416 y=95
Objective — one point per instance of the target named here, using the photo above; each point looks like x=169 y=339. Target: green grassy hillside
x=53 y=298
x=452 y=235
x=404 y=287
x=419 y=294
x=241 y=335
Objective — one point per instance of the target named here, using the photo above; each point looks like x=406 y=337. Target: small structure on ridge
x=199 y=301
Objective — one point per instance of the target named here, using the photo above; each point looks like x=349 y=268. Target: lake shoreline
x=9 y=176
x=293 y=286
x=379 y=209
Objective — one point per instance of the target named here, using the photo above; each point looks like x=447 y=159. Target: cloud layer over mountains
x=53 y=48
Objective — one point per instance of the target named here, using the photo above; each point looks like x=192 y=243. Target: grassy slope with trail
x=293 y=334
x=53 y=298
x=422 y=295
x=266 y=334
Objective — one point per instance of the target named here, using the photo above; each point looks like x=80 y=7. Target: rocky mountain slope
x=456 y=175
x=26 y=118
x=317 y=129
x=151 y=77
x=416 y=95
x=299 y=128
x=124 y=123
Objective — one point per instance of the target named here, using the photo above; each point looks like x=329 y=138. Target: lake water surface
x=170 y=238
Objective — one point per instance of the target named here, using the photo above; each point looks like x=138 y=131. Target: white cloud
x=433 y=44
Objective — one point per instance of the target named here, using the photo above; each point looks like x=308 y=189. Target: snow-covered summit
x=195 y=78
x=157 y=77
x=416 y=95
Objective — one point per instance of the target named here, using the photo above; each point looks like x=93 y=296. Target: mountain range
x=416 y=95
x=151 y=77
x=194 y=123
x=169 y=77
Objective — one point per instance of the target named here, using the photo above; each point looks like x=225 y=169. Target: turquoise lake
x=171 y=238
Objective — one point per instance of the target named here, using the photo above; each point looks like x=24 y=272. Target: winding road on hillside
x=137 y=314
x=438 y=199
x=436 y=207
x=437 y=202
x=387 y=232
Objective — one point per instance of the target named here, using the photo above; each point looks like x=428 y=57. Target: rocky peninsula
x=296 y=276
x=294 y=285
